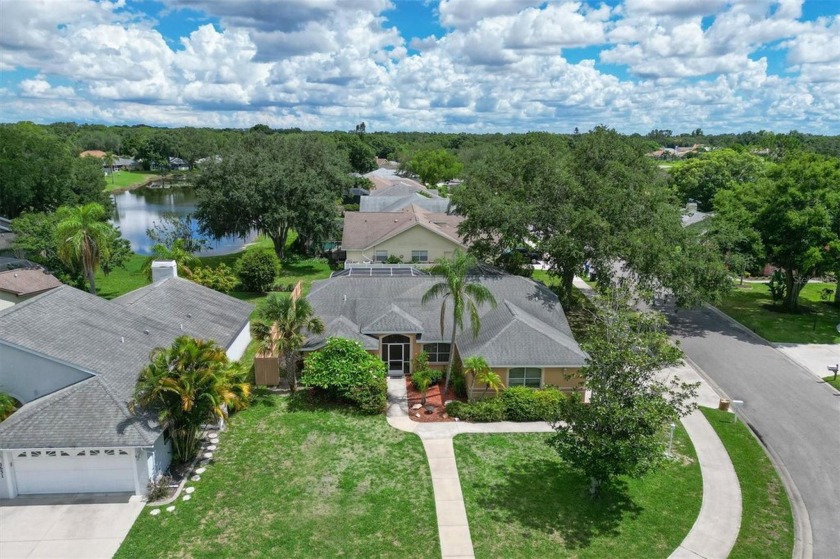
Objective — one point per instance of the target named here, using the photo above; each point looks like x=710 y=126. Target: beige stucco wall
x=416 y=238
x=564 y=378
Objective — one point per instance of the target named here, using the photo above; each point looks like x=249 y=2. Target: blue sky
x=437 y=65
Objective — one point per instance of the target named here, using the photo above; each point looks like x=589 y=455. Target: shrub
x=514 y=404
x=158 y=490
x=370 y=398
x=343 y=369
x=484 y=411
x=257 y=270
x=8 y=405
x=421 y=380
x=435 y=376
x=220 y=278
x=527 y=404
x=393 y=259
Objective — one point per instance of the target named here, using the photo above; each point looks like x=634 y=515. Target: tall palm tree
x=187 y=385
x=466 y=295
x=84 y=238
x=482 y=374
x=291 y=317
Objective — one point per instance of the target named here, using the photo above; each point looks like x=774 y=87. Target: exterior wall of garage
x=240 y=344
x=43 y=376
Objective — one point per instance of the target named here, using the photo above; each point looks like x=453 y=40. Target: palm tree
x=482 y=373
x=185 y=260
x=466 y=296
x=187 y=385
x=290 y=317
x=84 y=238
x=109 y=161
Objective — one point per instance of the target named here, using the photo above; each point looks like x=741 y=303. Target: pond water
x=137 y=210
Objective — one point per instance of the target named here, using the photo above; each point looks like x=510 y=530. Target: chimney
x=164 y=269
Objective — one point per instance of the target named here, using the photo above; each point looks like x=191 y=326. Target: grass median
x=766 y=521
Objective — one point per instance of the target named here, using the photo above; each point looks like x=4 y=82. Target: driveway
x=794 y=413
x=67 y=526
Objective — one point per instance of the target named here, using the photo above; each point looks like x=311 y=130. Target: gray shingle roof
x=397 y=203
x=527 y=327
x=111 y=341
x=185 y=305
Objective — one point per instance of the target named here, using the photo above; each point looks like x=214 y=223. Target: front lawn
x=835 y=382
x=752 y=306
x=523 y=501
x=296 y=481
x=128 y=179
x=766 y=521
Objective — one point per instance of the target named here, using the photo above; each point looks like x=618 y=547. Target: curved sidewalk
x=712 y=536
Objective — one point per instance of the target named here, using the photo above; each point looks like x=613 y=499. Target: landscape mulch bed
x=433 y=398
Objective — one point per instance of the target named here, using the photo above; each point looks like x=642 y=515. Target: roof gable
x=394 y=321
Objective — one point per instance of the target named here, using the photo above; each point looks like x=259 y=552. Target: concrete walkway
x=453 y=526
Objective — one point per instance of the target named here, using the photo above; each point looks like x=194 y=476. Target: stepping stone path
x=211 y=447
x=187 y=497
x=170 y=508
x=189 y=490
x=155 y=512
x=196 y=478
x=200 y=470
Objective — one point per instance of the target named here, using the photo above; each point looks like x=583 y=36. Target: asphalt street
x=794 y=414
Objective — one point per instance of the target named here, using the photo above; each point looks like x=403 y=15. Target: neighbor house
x=16 y=286
x=72 y=359
x=400 y=196
x=412 y=234
x=526 y=338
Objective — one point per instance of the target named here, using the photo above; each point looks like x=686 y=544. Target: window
x=380 y=255
x=438 y=353
x=525 y=376
x=419 y=255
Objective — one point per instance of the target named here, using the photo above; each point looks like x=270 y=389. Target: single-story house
x=16 y=286
x=72 y=359
x=525 y=339
x=412 y=234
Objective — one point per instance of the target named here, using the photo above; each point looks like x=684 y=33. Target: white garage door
x=74 y=470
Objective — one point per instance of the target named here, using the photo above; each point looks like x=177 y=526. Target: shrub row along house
x=73 y=359
x=526 y=338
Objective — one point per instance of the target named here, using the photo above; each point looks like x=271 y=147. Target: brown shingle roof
x=362 y=230
x=29 y=281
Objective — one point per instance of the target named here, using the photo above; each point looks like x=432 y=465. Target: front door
x=396 y=352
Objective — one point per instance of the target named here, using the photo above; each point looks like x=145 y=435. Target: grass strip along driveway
x=523 y=501
x=291 y=480
x=766 y=521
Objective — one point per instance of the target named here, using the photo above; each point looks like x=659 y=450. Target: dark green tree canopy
x=273 y=184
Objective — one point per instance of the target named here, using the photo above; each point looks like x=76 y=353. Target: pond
x=137 y=210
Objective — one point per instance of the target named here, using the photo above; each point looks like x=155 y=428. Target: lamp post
x=671 y=440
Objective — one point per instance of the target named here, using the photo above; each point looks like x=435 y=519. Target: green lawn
x=766 y=522
x=121 y=281
x=523 y=501
x=304 y=483
x=816 y=324
x=127 y=179
x=832 y=381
